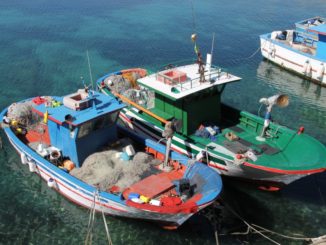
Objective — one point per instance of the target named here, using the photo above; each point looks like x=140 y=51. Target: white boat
x=302 y=50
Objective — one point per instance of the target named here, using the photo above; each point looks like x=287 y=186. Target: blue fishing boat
x=302 y=50
x=72 y=143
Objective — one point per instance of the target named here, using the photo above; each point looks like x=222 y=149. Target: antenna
x=193 y=17
x=90 y=70
x=213 y=40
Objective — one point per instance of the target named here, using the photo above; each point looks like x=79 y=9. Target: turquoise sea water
x=43 y=48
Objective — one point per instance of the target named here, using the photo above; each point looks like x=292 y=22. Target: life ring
x=23 y=158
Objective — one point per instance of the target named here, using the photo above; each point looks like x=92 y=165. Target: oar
x=130 y=102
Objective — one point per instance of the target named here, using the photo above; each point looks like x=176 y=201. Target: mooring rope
x=106 y=229
x=250 y=56
x=254 y=229
x=91 y=220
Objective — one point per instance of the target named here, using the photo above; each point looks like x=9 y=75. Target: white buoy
x=32 y=166
x=23 y=158
x=52 y=183
x=309 y=70
x=306 y=68
x=320 y=72
x=41 y=149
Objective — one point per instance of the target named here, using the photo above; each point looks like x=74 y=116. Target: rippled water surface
x=43 y=48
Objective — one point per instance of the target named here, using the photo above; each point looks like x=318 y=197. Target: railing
x=182 y=84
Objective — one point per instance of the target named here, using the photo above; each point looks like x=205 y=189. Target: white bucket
x=129 y=149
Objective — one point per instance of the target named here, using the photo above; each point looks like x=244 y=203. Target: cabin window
x=97 y=124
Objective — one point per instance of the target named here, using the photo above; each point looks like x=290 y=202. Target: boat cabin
x=304 y=25
x=320 y=31
x=79 y=124
x=180 y=94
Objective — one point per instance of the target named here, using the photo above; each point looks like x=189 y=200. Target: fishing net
x=106 y=169
x=126 y=85
x=22 y=112
x=143 y=97
x=117 y=83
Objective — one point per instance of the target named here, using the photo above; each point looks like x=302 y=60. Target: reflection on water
x=309 y=92
x=307 y=99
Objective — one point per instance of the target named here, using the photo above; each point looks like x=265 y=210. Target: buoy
x=6 y=120
x=69 y=165
x=52 y=183
x=14 y=123
x=301 y=130
x=194 y=37
x=32 y=166
x=23 y=158
x=320 y=72
x=46 y=115
x=19 y=131
x=307 y=68
x=239 y=156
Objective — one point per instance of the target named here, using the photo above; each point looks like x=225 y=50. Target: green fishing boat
x=233 y=142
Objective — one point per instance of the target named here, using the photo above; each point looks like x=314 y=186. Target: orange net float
x=69 y=165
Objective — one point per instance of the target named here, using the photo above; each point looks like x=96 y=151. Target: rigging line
x=193 y=16
x=90 y=70
x=213 y=42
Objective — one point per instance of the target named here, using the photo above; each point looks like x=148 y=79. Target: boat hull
x=292 y=60
x=271 y=177
x=84 y=195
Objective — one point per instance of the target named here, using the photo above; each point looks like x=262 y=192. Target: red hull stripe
x=91 y=200
x=280 y=171
x=216 y=166
x=124 y=117
x=49 y=117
